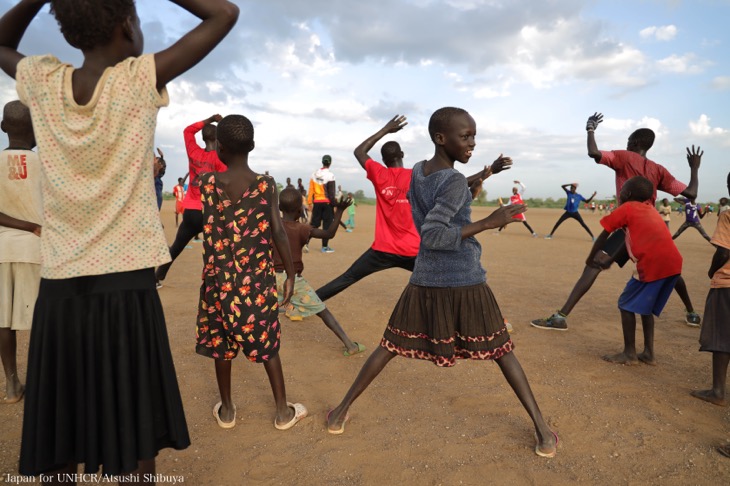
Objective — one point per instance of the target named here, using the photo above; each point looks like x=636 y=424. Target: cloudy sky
x=317 y=77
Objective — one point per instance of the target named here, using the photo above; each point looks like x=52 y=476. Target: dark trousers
x=191 y=225
x=369 y=262
x=322 y=214
x=575 y=216
x=697 y=226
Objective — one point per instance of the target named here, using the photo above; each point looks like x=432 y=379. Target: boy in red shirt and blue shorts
x=658 y=266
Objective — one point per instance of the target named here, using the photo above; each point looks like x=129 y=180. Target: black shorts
x=615 y=247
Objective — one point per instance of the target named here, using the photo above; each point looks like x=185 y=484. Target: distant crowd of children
x=101 y=387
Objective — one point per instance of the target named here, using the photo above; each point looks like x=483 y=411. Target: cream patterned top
x=99 y=206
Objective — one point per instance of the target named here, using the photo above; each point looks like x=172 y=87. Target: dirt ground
x=419 y=424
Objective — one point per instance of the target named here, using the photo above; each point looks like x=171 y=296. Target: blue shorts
x=646 y=298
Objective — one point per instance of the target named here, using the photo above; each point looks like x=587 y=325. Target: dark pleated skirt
x=446 y=324
x=101 y=386
x=715 y=332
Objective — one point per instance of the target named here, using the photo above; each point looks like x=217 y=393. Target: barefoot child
x=20 y=244
x=304 y=302
x=238 y=300
x=658 y=265
x=447 y=311
x=101 y=387
x=715 y=333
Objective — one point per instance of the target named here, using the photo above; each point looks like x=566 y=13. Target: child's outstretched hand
x=694 y=157
x=288 y=291
x=503 y=216
x=214 y=118
x=343 y=203
x=593 y=121
x=502 y=163
x=396 y=124
x=475 y=187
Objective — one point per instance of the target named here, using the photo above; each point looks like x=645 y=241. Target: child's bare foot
x=13 y=393
x=710 y=396
x=647 y=358
x=621 y=358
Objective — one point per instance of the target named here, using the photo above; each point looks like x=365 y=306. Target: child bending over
x=658 y=265
x=101 y=387
x=305 y=302
x=238 y=299
x=447 y=311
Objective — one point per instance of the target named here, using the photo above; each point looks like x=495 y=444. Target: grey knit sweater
x=441 y=204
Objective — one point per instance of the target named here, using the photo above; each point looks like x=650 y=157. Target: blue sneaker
x=327 y=249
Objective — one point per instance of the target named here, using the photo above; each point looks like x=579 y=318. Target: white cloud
x=685 y=64
x=720 y=83
x=663 y=33
x=702 y=128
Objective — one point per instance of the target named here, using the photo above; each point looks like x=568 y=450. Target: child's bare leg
x=8 y=352
x=681 y=289
x=647 y=325
x=334 y=326
x=372 y=368
x=284 y=414
x=601 y=261
x=719 y=374
x=223 y=375
x=628 y=356
x=515 y=376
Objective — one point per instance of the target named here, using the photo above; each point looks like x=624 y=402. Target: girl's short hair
x=86 y=24
x=235 y=133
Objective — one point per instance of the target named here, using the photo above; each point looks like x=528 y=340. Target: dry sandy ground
x=419 y=424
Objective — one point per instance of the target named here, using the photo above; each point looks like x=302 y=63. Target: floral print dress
x=238 y=299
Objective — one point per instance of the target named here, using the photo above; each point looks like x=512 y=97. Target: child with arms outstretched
x=238 y=299
x=447 y=311
x=101 y=387
x=658 y=265
x=304 y=302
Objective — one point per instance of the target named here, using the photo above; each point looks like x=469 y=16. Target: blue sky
x=319 y=76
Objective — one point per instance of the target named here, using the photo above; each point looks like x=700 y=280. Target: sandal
x=300 y=411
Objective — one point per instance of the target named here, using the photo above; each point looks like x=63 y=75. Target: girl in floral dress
x=238 y=300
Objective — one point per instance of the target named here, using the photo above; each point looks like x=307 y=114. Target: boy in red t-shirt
x=658 y=265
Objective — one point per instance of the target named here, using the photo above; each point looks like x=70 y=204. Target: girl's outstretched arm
x=12 y=27
x=218 y=18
